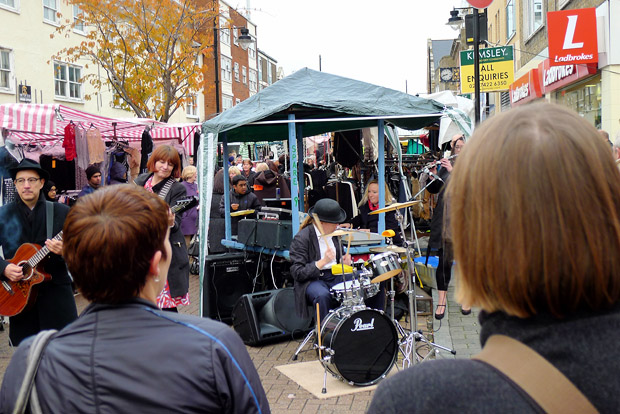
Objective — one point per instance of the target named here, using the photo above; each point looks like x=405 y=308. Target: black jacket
x=134 y=358
x=364 y=220
x=435 y=241
x=304 y=251
x=51 y=309
x=247 y=201
x=581 y=346
x=178 y=274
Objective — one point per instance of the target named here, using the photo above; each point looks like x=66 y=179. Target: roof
x=318 y=99
x=45 y=123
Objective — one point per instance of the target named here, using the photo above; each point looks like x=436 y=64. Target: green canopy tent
x=304 y=104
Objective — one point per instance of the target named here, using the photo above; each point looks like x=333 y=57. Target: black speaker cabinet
x=266 y=317
x=246 y=232
x=216 y=234
x=274 y=234
x=227 y=277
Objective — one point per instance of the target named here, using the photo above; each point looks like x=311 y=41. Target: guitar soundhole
x=27 y=270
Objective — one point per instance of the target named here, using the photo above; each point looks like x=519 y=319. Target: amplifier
x=246 y=232
x=274 y=234
x=227 y=277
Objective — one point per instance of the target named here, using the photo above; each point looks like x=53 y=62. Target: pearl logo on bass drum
x=360 y=326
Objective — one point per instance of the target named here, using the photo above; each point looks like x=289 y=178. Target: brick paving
x=285 y=396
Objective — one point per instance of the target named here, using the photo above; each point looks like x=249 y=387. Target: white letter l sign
x=570 y=34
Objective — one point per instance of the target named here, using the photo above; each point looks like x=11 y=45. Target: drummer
x=240 y=199
x=370 y=203
x=312 y=257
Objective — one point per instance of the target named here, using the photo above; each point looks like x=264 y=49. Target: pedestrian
x=536 y=240
x=240 y=199
x=189 y=219
x=26 y=220
x=124 y=355
x=93 y=175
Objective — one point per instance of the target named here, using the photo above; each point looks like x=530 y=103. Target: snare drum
x=362 y=346
x=353 y=289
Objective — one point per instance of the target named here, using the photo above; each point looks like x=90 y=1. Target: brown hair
x=541 y=196
x=165 y=153
x=110 y=238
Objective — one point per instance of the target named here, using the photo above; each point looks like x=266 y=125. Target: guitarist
x=24 y=221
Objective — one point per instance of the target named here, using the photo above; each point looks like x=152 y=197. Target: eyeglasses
x=21 y=181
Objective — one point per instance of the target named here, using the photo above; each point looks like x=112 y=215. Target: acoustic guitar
x=15 y=296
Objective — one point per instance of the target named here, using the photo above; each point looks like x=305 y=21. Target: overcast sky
x=381 y=42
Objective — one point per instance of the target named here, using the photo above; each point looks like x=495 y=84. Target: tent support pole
x=294 y=156
x=300 y=171
x=381 y=177
x=226 y=195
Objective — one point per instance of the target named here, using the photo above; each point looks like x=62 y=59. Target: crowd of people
x=533 y=233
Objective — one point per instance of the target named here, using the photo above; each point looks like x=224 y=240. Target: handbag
x=536 y=376
x=194 y=246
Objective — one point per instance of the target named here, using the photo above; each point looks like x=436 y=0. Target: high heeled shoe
x=465 y=311
x=438 y=315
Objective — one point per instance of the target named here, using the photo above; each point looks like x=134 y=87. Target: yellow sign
x=496 y=70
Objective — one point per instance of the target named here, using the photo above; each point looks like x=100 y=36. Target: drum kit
x=357 y=344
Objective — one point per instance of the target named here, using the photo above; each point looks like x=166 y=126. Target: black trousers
x=444 y=267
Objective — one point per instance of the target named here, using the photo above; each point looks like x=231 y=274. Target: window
x=252 y=85
x=225 y=36
x=260 y=68
x=50 y=8
x=252 y=51
x=236 y=37
x=510 y=19
x=12 y=5
x=67 y=81
x=244 y=75
x=6 y=82
x=269 y=74
x=227 y=102
x=226 y=69
x=78 y=21
x=535 y=15
x=192 y=106
x=237 y=71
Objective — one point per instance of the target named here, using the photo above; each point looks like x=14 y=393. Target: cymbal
x=396 y=206
x=386 y=276
x=241 y=213
x=390 y=248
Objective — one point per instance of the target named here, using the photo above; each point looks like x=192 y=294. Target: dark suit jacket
x=303 y=253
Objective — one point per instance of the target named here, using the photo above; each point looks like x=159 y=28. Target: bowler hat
x=27 y=164
x=328 y=211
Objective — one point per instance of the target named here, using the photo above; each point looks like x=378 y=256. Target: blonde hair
x=188 y=172
x=262 y=166
x=389 y=198
x=542 y=233
x=233 y=169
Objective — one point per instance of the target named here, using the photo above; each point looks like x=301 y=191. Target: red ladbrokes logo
x=572 y=36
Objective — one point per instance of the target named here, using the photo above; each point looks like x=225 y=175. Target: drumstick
x=318 y=328
x=349 y=243
x=318 y=224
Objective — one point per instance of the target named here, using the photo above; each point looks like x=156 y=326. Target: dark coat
x=304 y=251
x=178 y=274
x=364 y=220
x=54 y=306
x=134 y=358
x=250 y=179
x=435 y=241
x=247 y=201
x=470 y=386
x=269 y=182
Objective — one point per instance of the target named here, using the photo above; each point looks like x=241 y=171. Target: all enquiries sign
x=496 y=69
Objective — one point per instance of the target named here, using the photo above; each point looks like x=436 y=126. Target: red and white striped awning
x=45 y=124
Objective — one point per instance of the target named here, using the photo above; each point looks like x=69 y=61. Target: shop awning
x=45 y=123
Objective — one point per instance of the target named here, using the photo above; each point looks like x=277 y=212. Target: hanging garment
x=96 y=147
x=81 y=146
x=147 y=149
x=69 y=142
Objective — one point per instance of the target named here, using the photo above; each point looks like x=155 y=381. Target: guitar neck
x=40 y=255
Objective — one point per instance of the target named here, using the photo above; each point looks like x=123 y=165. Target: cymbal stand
x=409 y=339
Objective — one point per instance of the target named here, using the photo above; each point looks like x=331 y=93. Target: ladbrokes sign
x=572 y=37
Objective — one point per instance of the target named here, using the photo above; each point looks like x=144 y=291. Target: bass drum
x=363 y=345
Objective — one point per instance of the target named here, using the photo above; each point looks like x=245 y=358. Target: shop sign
x=555 y=77
x=572 y=36
x=526 y=88
x=496 y=69
x=25 y=93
